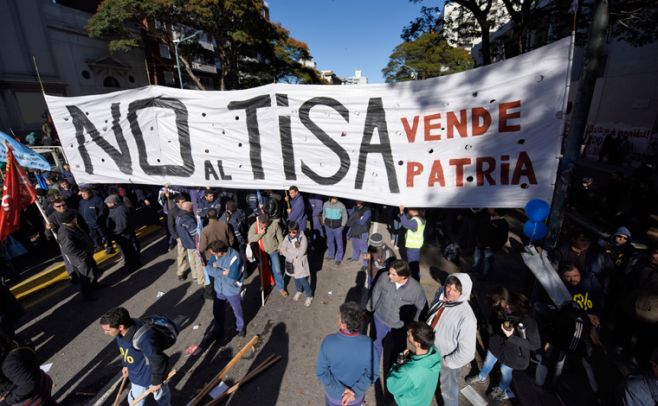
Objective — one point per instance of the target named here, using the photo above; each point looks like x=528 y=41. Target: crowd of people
x=417 y=347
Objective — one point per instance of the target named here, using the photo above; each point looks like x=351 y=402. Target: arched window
x=111 y=82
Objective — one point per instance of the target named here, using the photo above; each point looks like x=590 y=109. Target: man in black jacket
x=491 y=236
x=78 y=249
x=122 y=229
x=22 y=382
x=147 y=366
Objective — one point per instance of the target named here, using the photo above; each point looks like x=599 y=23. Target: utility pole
x=594 y=60
x=177 y=42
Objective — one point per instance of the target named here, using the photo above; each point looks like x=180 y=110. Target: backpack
x=164 y=328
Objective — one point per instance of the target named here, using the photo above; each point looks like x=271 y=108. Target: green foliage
x=429 y=55
x=252 y=50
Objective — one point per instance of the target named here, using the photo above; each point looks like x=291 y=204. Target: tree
x=429 y=55
x=122 y=22
x=473 y=18
x=246 y=43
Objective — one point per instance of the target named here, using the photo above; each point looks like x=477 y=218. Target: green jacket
x=271 y=239
x=414 y=383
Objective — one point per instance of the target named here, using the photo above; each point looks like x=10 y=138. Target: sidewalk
x=57 y=272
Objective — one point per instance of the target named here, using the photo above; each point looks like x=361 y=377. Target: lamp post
x=414 y=72
x=177 y=42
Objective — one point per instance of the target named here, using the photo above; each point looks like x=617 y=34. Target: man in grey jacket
x=455 y=327
x=396 y=301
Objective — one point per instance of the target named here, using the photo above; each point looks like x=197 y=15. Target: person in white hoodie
x=455 y=327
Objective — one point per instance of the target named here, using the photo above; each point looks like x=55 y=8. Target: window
x=111 y=82
x=164 y=51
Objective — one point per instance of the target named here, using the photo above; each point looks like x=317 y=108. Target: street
x=86 y=363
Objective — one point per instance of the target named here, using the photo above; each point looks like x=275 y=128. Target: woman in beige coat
x=293 y=248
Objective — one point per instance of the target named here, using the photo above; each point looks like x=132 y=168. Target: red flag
x=17 y=194
x=263 y=262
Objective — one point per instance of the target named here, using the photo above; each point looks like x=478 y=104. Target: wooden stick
x=269 y=361
x=123 y=383
x=36 y=68
x=148 y=74
x=148 y=392
x=222 y=374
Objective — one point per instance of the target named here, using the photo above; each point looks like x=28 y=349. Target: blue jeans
x=505 y=371
x=275 y=261
x=335 y=248
x=302 y=285
x=413 y=258
x=359 y=246
x=483 y=259
x=236 y=305
x=162 y=397
x=381 y=331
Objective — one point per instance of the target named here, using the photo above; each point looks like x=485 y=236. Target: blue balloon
x=537 y=210
x=535 y=231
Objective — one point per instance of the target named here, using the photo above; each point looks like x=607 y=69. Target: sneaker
x=182 y=277
x=498 y=394
x=297 y=296
x=242 y=332
x=475 y=379
x=328 y=258
x=337 y=262
x=283 y=293
x=308 y=301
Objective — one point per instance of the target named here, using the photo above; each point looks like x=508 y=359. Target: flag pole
x=260 y=267
x=148 y=74
x=36 y=68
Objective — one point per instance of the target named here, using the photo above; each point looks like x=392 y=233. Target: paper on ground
x=472 y=396
x=218 y=390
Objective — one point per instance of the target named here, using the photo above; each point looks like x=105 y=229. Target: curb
x=57 y=272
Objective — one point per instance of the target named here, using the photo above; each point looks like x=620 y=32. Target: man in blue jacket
x=347 y=363
x=147 y=367
x=297 y=210
x=186 y=228
x=93 y=211
x=225 y=267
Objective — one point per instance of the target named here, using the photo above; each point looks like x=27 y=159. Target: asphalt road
x=86 y=363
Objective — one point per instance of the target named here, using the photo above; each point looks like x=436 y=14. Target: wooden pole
x=123 y=383
x=148 y=392
x=222 y=374
x=148 y=74
x=269 y=361
x=36 y=68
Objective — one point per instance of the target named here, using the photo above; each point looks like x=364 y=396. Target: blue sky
x=344 y=35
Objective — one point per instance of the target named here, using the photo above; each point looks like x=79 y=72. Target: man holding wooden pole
x=145 y=367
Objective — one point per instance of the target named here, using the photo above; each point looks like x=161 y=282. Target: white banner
x=489 y=137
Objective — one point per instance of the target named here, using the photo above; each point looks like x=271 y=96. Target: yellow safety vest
x=414 y=239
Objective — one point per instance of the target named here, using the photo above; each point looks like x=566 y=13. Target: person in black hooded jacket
x=514 y=335
x=21 y=379
x=122 y=229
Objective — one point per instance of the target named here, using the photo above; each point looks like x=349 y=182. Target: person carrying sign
x=297 y=208
x=414 y=222
x=145 y=367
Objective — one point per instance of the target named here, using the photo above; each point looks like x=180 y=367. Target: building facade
x=69 y=62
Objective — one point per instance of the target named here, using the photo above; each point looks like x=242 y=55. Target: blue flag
x=24 y=155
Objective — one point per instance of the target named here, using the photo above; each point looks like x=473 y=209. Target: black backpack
x=164 y=328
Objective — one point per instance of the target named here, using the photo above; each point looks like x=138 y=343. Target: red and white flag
x=17 y=193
